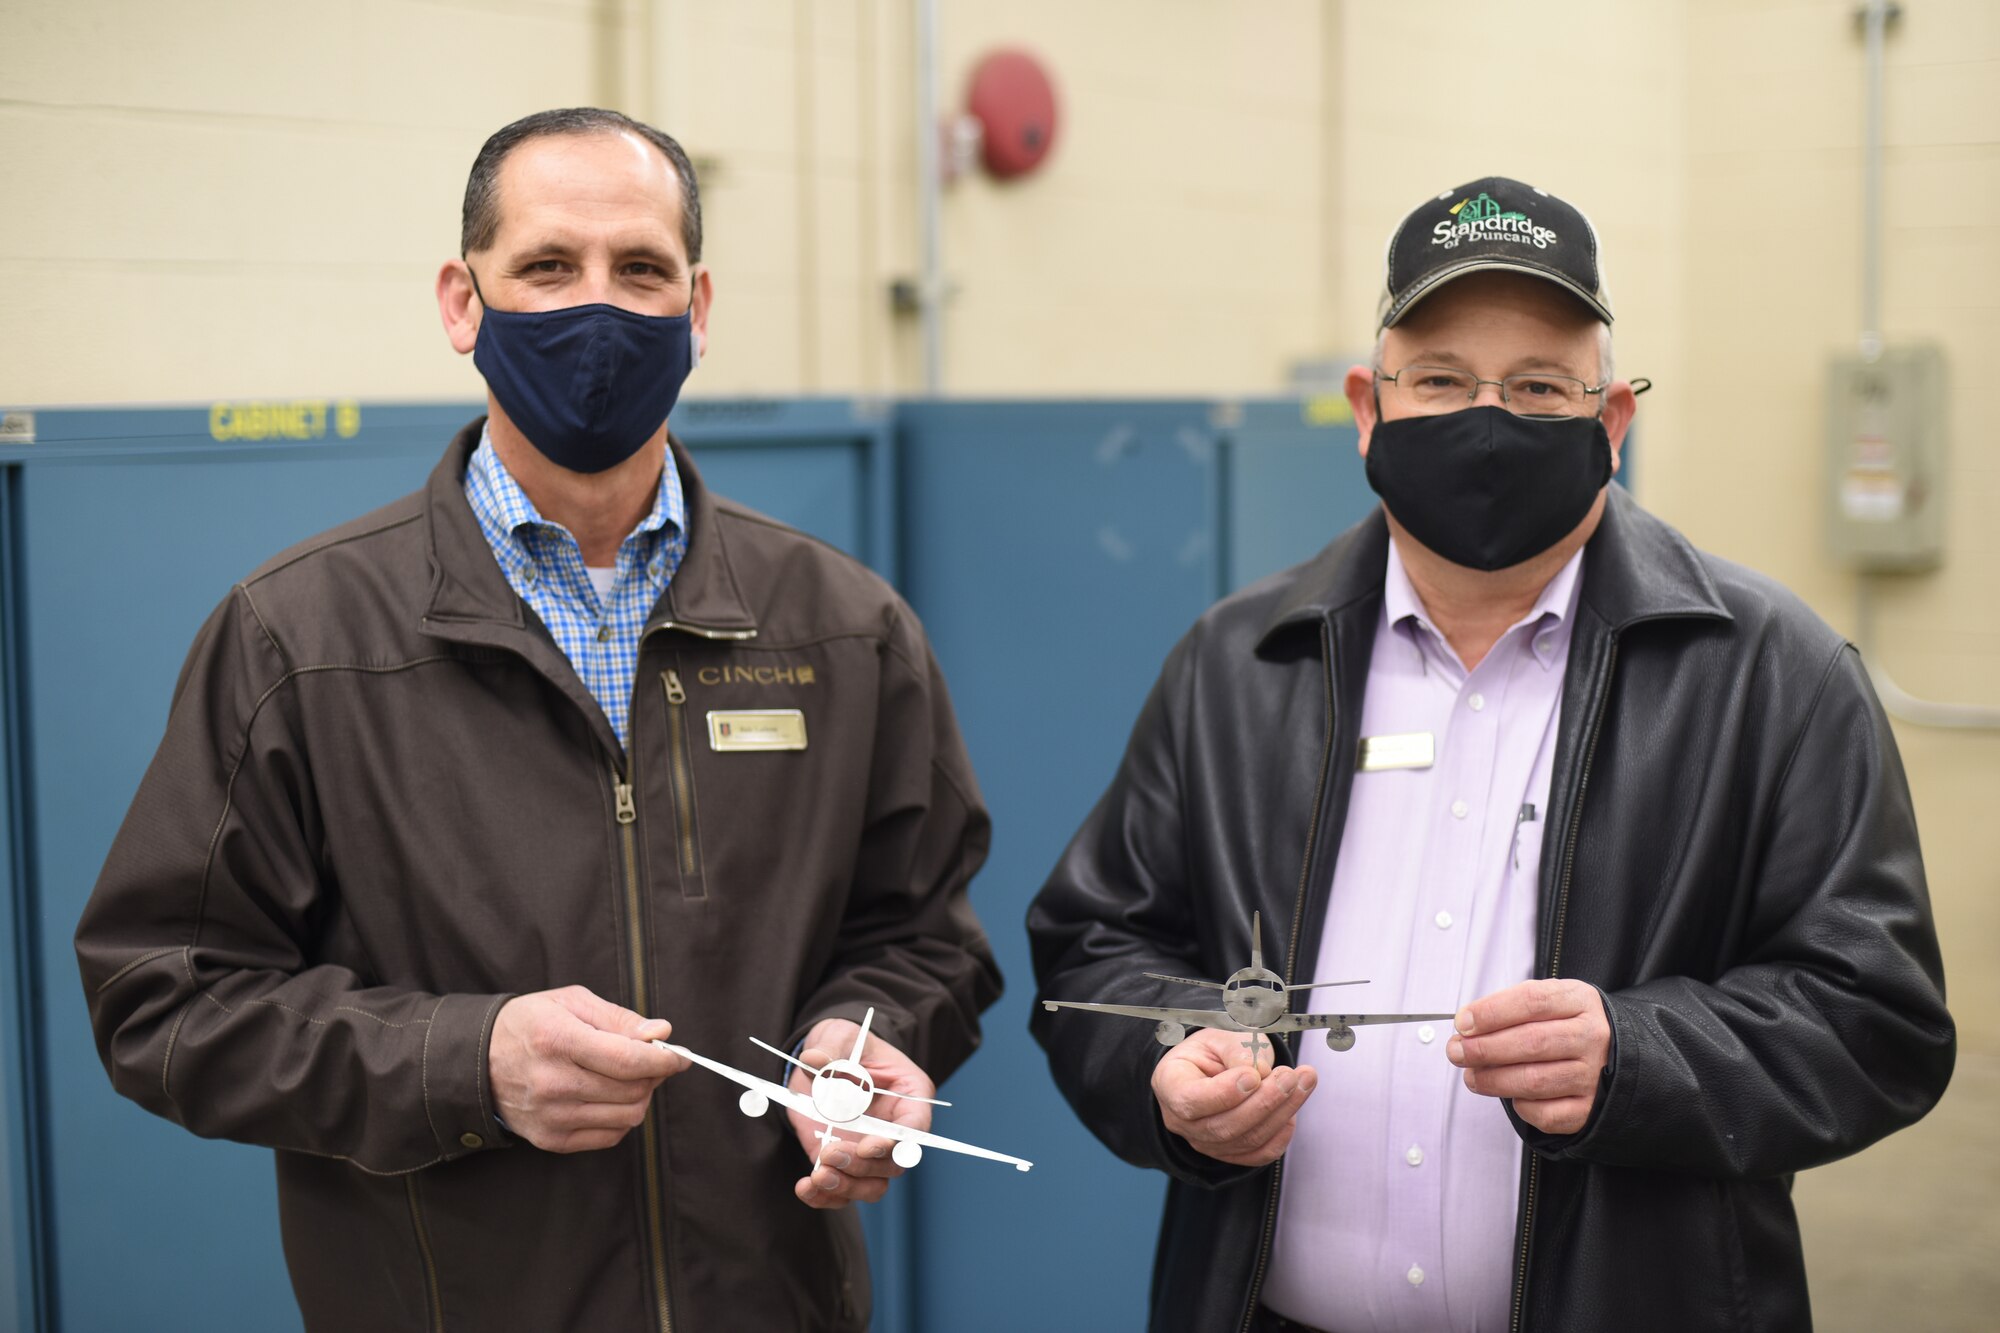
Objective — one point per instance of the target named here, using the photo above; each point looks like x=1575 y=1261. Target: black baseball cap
x=1493 y=223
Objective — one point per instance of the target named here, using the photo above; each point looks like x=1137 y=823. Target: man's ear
x=1620 y=406
x=459 y=305
x=704 y=299
x=1359 y=383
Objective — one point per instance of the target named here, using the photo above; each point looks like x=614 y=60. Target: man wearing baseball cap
x=1512 y=749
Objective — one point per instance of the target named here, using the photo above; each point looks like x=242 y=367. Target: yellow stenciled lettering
x=764 y=675
x=783 y=675
x=805 y=675
x=347 y=418
x=299 y=419
x=708 y=676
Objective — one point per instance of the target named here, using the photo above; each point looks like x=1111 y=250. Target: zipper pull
x=627 y=812
x=675 y=694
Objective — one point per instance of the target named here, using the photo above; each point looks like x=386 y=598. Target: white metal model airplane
x=1255 y=1000
x=842 y=1091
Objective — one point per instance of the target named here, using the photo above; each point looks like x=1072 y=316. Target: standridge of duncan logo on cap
x=1492 y=224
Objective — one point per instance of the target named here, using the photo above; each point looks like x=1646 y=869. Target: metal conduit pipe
x=1899 y=703
x=930 y=282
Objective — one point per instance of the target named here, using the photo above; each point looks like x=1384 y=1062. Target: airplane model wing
x=777 y=1092
x=868 y=1124
x=1200 y=1018
x=1301 y=1022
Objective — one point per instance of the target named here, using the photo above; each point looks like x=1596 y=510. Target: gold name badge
x=757 y=729
x=1413 y=749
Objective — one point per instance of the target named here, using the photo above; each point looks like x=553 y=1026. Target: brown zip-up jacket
x=385 y=804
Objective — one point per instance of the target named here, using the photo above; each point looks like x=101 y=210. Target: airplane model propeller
x=1255 y=1000
x=842 y=1091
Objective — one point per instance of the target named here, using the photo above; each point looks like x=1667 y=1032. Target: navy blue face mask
x=589 y=384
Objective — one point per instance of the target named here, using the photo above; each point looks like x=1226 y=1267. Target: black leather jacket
x=1732 y=861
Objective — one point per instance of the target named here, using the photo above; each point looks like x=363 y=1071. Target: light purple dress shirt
x=1399 y=1196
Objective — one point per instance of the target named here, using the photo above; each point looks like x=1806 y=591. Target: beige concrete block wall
x=1775 y=200
x=1903 y=1235
x=240 y=198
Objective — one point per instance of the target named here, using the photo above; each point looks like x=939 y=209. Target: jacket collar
x=1635 y=568
x=467 y=585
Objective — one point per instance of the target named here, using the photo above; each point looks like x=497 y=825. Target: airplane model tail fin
x=1257 y=939
x=861 y=1041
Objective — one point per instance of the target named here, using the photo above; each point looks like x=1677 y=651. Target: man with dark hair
x=460 y=802
x=1514 y=750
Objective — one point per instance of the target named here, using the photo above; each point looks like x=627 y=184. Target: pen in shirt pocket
x=1527 y=816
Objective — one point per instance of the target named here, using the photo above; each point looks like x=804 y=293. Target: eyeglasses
x=1441 y=389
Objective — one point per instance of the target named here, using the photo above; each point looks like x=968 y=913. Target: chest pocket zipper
x=680 y=782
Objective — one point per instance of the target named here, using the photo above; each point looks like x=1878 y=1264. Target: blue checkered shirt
x=544 y=564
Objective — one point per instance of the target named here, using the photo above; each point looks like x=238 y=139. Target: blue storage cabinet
x=1055 y=552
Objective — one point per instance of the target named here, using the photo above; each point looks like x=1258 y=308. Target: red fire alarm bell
x=1015 y=105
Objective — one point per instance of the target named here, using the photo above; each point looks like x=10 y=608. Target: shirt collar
x=504 y=509
x=1550 y=615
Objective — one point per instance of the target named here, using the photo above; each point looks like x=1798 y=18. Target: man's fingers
x=1560 y=1115
x=617 y=1057
x=1253 y=1128
x=1186 y=1093
x=1264 y=1153
x=1550 y=1039
x=1525 y=1002
x=556 y=1083
x=1534 y=1082
x=826 y=1188
x=602 y=1014
x=870 y=1158
x=1252 y=1123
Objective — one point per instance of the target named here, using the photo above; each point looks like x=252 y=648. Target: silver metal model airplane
x=842 y=1091
x=1255 y=1000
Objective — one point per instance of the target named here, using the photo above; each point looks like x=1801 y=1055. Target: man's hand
x=1227 y=1106
x=1540 y=1043
x=572 y=1072
x=857 y=1172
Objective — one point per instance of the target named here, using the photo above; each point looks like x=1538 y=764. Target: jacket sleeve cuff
x=458 y=1097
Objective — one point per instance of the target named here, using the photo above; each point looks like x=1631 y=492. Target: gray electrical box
x=1885 y=458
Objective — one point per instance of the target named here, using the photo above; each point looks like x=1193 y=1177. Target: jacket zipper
x=430 y=1263
x=1291 y=966
x=1555 y=970
x=683 y=771
x=627 y=816
x=649 y=1128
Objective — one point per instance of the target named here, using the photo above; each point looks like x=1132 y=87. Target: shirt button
x=1427 y=1034
x=1416 y=1276
x=1476 y=702
x=1415 y=1156
x=528 y=574
x=471 y=1140
x=1459 y=809
x=1443 y=920
x=604 y=633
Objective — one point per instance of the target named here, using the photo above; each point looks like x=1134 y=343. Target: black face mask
x=1486 y=488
